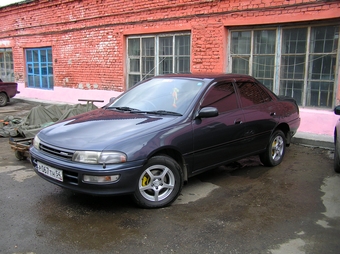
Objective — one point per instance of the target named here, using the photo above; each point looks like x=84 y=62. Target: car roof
x=212 y=76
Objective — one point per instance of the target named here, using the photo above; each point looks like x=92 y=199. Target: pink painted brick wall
x=88 y=37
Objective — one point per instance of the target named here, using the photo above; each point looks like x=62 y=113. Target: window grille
x=153 y=55
x=299 y=62
x=39 y=68
x=6 y=65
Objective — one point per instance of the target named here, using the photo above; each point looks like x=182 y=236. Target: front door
x=218 y=139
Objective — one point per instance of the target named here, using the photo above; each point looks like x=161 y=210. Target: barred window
x=152 y=55
x=6 y=65
x=321 y=66
x=39 y=68
x=253 y=52
x=295 y=61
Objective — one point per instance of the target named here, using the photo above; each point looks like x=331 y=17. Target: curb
x=314 y=140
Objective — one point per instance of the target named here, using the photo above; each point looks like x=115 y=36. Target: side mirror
x=112 y=99
x=110 y=102
x=337 y=110
x=207 y=112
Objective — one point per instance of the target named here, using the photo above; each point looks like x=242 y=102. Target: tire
x=275 y=150
x=159 y=184
x=3 y=99
x=20 y=155
x=336 y=158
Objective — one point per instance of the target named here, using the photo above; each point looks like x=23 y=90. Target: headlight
x=92 y=157
x=36 y=142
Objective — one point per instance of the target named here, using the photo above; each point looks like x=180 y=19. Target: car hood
x=100 y=128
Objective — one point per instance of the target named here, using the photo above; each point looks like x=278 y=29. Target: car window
x=252 y=94
x=170 y=94
x=221 y=96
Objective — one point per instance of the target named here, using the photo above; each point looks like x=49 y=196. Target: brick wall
x=88 y=37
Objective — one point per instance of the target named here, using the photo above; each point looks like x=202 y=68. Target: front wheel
x=275 y=150
x=160 y=183
x=20 y=155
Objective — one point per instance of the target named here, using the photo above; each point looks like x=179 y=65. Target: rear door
x=260 y=116
x=218 y=139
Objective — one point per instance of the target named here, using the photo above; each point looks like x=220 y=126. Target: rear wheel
x=275 y=150
x=3 y=99
x=160 y=183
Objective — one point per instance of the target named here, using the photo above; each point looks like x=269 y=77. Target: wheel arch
x=284 y=127
x=175 y=155
x=7 y=97
x=4 y=92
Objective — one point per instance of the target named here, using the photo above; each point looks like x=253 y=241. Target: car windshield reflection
x=159 y=96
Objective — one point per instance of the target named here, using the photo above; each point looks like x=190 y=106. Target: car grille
x=70 y=177
x=56 y=152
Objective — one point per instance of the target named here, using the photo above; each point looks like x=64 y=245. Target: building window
x=295 y=61
x=6 y=65
x=39 y=68
x=264 y=56
x=254 y=52
x=149 y=56
x=321 y=66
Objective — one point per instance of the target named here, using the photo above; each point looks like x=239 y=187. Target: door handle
x=237 y=121
x=272 y=113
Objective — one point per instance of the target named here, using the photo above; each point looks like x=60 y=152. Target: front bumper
x=74 y=172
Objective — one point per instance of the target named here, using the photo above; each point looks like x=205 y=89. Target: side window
x=252 y=94
x=222 y=96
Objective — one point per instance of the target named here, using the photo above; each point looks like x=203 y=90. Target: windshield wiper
x=157 y=112
x=124 y=108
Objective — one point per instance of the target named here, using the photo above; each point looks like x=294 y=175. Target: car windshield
x=160 y=95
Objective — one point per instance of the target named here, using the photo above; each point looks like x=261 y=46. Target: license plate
x=50 y=171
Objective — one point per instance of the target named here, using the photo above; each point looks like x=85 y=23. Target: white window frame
x=278 y=54
x=156 y=69
x=6 y=65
